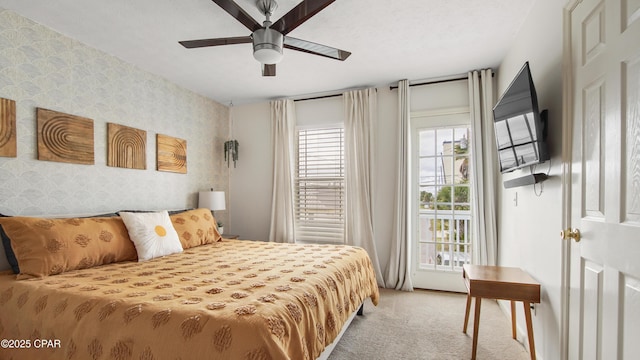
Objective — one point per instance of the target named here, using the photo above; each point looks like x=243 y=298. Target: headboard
x=4 y=264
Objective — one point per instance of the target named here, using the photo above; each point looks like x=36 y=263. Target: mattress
x=233 y=299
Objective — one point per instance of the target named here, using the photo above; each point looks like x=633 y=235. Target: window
x=319 y=185
x=444 y=204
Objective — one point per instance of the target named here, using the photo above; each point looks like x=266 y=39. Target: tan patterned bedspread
x=228 y=300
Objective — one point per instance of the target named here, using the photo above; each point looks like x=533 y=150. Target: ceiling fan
x=269 y=38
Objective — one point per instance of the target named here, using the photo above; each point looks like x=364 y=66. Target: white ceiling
x=389 y=40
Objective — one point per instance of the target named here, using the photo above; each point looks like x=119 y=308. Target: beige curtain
x=484 y=240
x=398 y=272
x=361 y=109
x=283 y=123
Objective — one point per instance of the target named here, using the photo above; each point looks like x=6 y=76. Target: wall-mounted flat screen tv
x=520 y=128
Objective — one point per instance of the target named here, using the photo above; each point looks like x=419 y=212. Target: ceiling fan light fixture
x=269 y=42
x=267 y=46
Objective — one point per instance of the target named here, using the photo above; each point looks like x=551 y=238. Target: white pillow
x=152 y=234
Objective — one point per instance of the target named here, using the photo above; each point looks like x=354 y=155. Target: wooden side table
x=504 y=283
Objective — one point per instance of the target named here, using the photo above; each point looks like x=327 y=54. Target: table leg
x=513 y=318
x=527 y=315
x=476 y=326
x=466 y=314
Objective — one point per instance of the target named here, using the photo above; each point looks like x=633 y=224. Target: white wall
x=528 y=231
x=251 y=182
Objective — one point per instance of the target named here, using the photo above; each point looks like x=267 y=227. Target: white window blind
x=320 y=185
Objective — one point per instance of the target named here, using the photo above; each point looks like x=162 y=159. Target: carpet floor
x=427 y=325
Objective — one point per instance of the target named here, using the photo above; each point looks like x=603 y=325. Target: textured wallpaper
x=42 y=68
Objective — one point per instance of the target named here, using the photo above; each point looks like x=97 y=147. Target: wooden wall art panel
x=65 y=138
x=172 y=154
x=8 y=146
x=127 y=147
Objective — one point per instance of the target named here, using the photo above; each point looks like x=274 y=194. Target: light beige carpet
x=427 y=325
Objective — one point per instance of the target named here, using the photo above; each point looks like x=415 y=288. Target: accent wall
x=40 y=68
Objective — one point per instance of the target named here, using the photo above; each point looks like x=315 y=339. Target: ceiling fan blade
x=316 y=49
x=299 y=14
x=268 y=69
x=236 y=11
x=190 y=44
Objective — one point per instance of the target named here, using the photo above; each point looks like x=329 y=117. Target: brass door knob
x=570 y=234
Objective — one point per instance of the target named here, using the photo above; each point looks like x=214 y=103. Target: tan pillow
x=195 y=227
x=52 y=246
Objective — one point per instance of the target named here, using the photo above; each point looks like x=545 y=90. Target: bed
x=222 y=299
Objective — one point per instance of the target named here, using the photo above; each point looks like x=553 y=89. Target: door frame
x=445 y=281
x=567 y=146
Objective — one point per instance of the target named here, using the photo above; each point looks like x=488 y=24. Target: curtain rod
x=323 y=96
x=318 y=97
x=437 y=81
x=392 y=87
x=432 y=82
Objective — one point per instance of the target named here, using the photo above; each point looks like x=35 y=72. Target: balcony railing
x=444 y=239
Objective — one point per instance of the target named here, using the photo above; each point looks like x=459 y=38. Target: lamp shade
x=213 y=200
x=267 y=46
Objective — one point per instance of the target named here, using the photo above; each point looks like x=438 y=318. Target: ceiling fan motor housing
x=267 y=45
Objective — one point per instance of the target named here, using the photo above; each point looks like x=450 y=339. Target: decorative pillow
x=6 y=243
x=51 y=246
x=195 y=227
x=152 y=234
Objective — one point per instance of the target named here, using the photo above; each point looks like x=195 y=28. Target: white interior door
x=604 y=310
